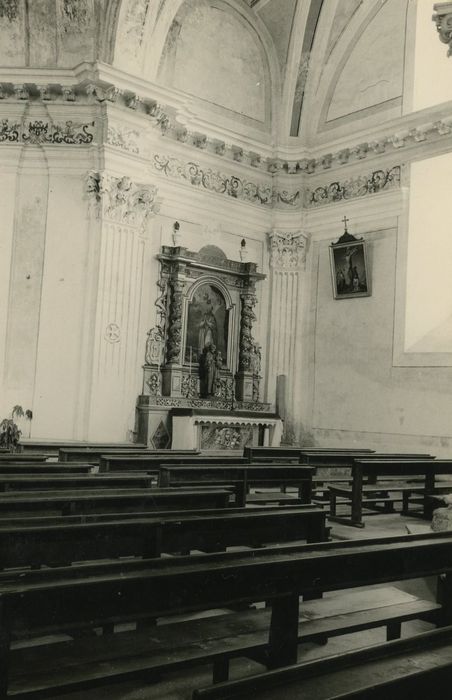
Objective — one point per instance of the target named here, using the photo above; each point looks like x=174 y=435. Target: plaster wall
x=62 y=309
x=357 y=396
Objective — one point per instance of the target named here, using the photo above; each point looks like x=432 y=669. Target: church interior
x=226 y=385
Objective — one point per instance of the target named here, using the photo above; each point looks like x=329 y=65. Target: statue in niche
x=210 y=364
x=207 y=324
x=207 y=328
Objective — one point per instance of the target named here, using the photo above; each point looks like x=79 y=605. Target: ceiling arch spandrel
x=217 y=52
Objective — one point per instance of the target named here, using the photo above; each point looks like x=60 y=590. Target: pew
x=61 y=544
x=101 y=594
x=32 y=445
x=110 y=501
x=407 y=668
x=44 y=468
x=109 y=462
x=21 y=520
x=50 y=482
x=93 y=454
x=253 y=454
x=360 y=494
x=346 y=459
x=18 y=457
x=243 y=476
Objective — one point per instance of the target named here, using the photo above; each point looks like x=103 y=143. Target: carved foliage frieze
x=40 y=132
x=287 y=249
x=214 y=181
x=361 y=186
x=121 y=200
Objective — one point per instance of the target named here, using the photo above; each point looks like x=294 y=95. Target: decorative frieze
x=218 y=182
x=40 y=132
x=443 y=21
x=122 y=201
x=360 y=186
x=287 y=250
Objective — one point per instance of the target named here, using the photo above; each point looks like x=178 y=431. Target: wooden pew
x=346 y=459
x=378 y=493
x=21 y=520
x=93 y=454
x=32 y=445
x=243 y=476
x=407 y=668
x=17 y=457
x=109 y=463
x=110 y=501
x=93 y=595
x=61 y=544
x=48 y=468
x=253 y=454
x=49 y=482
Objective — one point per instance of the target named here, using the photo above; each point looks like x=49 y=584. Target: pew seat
x=74 y=664
x=416 y=668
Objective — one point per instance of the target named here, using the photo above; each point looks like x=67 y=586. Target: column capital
x=443 y=21
x=121 y=200
x=287 y=249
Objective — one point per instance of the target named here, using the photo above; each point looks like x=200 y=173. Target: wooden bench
x=48 y=468
x=32 y=445
x=244 y=476
x=92 y=454
x=46 y=482
x=49 y=482
x=98 y=595
x=108 y=463
x=346 y=460
x=407 y=668
x=375 y=469
x=110 y=501
x=17 y=457
x=61 y=544
x=280 y=454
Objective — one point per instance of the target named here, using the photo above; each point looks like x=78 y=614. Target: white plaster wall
x=7 y=209
x=62 y=309
x=357 y=395
x=373 y=72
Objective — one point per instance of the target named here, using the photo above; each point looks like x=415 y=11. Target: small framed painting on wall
x=349 y=268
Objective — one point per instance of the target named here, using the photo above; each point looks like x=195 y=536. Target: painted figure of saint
x=207 y=330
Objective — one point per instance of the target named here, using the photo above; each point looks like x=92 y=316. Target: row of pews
x=107 y=547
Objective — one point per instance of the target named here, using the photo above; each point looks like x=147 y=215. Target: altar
x=202 y=370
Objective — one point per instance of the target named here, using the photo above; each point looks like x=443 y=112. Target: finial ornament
x=345 y=220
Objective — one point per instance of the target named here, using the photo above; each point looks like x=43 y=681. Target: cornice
x=173 y=118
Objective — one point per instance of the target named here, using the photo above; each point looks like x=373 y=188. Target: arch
x=142 y=27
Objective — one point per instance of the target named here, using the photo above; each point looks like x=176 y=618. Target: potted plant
x=9 y=430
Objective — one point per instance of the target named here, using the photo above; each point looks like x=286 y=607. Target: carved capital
x=121 y=200
x=287 y=249
x=443 y=21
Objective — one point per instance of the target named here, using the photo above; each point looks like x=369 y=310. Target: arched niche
x=209 y=320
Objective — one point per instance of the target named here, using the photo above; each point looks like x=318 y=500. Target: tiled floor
x=179 y=685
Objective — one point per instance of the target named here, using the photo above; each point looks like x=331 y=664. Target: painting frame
x=349 y=265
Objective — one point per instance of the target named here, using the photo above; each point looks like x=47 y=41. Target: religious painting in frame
x=207 y=323
x=349 y=268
